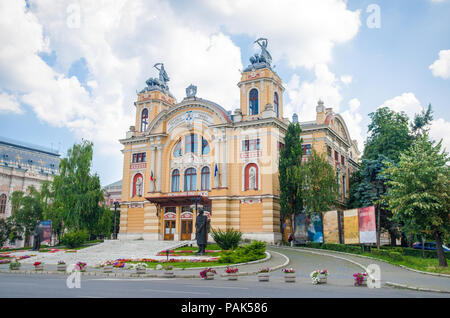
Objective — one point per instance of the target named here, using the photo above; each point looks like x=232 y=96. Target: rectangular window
x=342 y=160
x=139 y=157
x=191 y=143
x=307 y=149
x=336 y=156
x=251 y=145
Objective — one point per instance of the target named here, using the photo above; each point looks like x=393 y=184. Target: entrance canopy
x=181 y=200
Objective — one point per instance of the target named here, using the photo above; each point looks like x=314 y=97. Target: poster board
x=46 y=227
x=331 y=227
x=367 y=227
x=301 y=228
x=351 y=226
x=315 y=228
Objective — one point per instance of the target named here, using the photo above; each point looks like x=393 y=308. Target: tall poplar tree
x=291 y=174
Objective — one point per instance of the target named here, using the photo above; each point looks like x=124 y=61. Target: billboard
x=367 y=227
x=301 y=227
x=46 y=227
x=331 y=227
x=315 y=228
x=308 y=228
x=351 y=227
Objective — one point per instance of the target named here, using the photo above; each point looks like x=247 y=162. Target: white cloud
x=9 y=104
x=353 y=120
x=440 y=129
x=441 y=67
x=304 y=97
x=302 y=31
x=407 y=102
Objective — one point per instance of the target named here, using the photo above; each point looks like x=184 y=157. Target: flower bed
x=81 y=266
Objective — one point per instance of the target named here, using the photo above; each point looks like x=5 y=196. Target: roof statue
x=264 y=59
x=159 y=83
x=191 y=90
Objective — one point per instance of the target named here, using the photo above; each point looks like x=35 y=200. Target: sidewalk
x=275 y=261
x=390 y=274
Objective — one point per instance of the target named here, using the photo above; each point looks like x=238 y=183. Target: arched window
x=138 y=185
x=190 y=180
x=3 y=204
x=190 y=144
x=177 y=149
x=253 y=99
x=251 y=177
x=205 y=146
x=276 y=106
x=205 y=178
x=144 y=119
x=176 y=180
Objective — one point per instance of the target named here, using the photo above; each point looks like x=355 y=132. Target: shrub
x=243 y=254
x=226 y=239
x=74 y=239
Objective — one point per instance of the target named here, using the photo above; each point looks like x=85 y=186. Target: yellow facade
x=180 y=153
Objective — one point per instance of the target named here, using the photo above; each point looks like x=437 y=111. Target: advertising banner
x=351 y=227
x=315 y=228
x=331 y=227
x=301 y=228
x=367 y=227
x=46 y=232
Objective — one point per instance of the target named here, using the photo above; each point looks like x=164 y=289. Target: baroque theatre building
x=182 y=156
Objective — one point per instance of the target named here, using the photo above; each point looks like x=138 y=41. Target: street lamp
x=116 y=205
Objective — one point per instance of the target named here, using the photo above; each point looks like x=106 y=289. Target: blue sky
x=63 y=79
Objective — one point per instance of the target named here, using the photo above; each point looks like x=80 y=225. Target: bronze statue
x=201 y=232
x=37 y=236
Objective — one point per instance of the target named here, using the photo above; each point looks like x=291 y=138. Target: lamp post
x=116 y=205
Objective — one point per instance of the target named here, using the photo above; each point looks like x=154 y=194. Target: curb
x=268 y=256
x=363 y=267
x=377 y=259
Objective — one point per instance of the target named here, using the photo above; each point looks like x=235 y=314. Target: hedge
x=394 y=252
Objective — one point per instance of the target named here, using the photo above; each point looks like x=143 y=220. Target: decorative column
x=224 y=159
x=152 y=184
x=216 y=160
x=158 y=180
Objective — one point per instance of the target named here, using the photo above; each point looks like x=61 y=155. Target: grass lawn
x=421 y=264
x=209 y=247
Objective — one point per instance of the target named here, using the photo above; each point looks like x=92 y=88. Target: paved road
x=389 y=273
x=36 y=286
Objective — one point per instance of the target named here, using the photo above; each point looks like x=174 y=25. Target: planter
x=61 y=268
x=107 y=269
x=168 y=274
x=39 y=268
x=140 y=271
x=209 y=276
x=232 y=276
x=289 y=278
x=363 y=283
x=322 y=279
x=263 y=277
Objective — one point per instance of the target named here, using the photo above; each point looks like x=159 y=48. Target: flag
x=215 y=170
x=151 y=176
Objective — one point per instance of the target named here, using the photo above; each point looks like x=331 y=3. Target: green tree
x=322 y=188
x=419 y=190
x=421 y=122
x=77 y=192
x=291 y=174
x=27 y=211
x=389 y=135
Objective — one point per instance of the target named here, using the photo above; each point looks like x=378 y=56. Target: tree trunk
x=423 y=247
x=378 y=226
x=393 y=238
x=440 y=251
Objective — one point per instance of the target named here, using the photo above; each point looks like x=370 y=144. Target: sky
x=70 y=69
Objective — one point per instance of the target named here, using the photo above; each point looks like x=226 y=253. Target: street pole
x=115 y=213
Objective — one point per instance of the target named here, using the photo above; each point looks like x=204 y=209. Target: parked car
x=431 y=246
